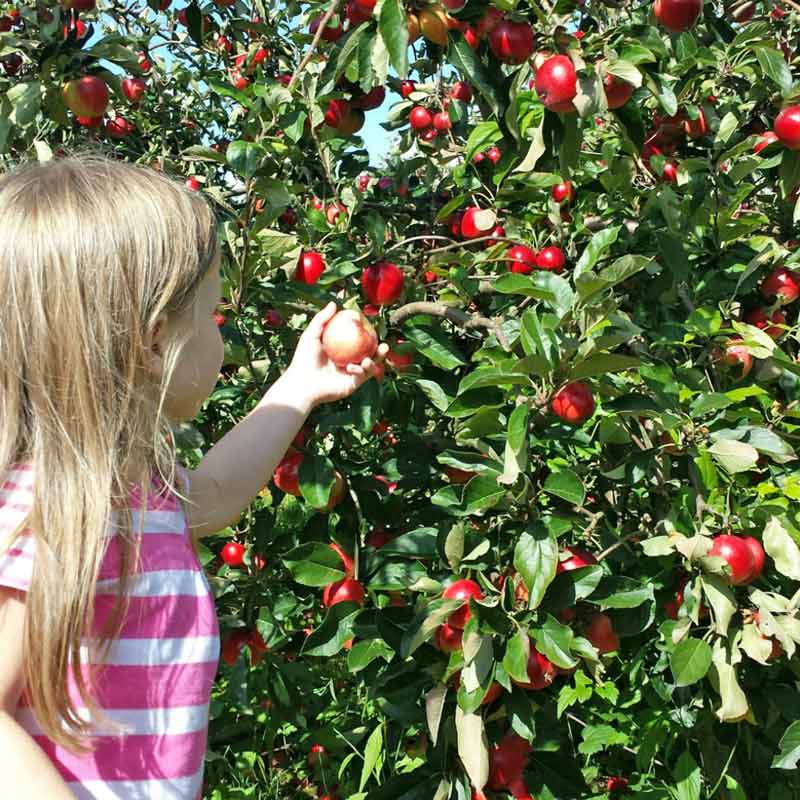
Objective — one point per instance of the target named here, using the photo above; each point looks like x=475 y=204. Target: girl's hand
x=317 y=376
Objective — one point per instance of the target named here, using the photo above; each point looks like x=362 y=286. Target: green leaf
x=616 y=591
x=245 y=157
x=775 y=67
x=597 y=738
x=364 y=652
x=482 y=136
x=337 y=627
x=341 y=56
x=789 y=745
x=554 y=640
x=490 y=376
x=26 y=101
x=598 y=245
x=393 y=28
x=690 y=661
x=515 y=660
x=602 y=364
x=435 y=346
x=425 y=624
x=734 y=456
x=314 y=564
x=463 y=58
x=722 y=601
x=734 y=704
x=536 y=560
x=688 y=778
x=566 y=485
x=589 y=284
x=473 y=747
x=317 y=478
x=516 y=451
x=782 y=549
x=372 y=753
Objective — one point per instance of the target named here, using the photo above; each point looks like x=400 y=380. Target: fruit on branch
x=382 y=283
x=458 y=476
x=770 y=324
x=477 y=222
x=133 y=89
x=400 y=356
x=541 y=671
x=618 y=91
x=442 y=122
x=332 y=31
x=86 y=97
x=494 y=154
x=461 y=91
x=420 y=118
x=349 y=338
x=677 y=15
x=318 y=756
x=740 y=556
x=551 y=259
x=512 y=42
x=576 y=558
x=696 y=128
x=507 y=761
x=233 y=554
x=433 y=24
x=759 y=556
x=347 y=590
x=462 y=590
x=371 y=100
x=765 y=140
x=787 y=127
x=119 y=128
x=310 y=267
x=449 y=638
x=573 y=403
x=672 y=607
x=782 y=285
x=563 y=192
x=557 y=84
x=600 y=632
x=406 y=88
x=347 y=559
x=523 y=259
x=286 y=476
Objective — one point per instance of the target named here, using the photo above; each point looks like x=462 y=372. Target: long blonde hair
x=93 y=251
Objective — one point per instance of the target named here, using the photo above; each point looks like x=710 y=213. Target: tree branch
x=454 y=315
x=317 y=36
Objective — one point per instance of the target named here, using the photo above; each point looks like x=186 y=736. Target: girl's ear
x=154 y=347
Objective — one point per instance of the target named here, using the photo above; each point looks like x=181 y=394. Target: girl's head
x=109 y=276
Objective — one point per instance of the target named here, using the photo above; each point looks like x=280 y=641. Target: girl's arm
x=26 y=770
x=236 y=468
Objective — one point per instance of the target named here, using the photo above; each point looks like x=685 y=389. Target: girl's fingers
x=367 y=364
x=354 y=369
x=382 y=350
x=318 y=321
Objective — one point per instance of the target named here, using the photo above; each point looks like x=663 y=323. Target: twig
x=625 y=539
x=454 y=315
x=317 y=36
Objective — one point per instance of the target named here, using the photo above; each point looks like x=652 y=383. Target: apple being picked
x=349 y=338
x=477 y=222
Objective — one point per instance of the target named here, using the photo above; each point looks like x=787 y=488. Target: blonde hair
x=94 y=250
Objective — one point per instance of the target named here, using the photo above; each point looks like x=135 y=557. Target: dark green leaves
x=245 y=157
x=536 y=559
x=464 y=60
x=314 y=564
x=690 y=661
x=775 y=67
x=393 y=29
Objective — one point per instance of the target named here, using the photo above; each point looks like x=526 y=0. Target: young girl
x=109 y=278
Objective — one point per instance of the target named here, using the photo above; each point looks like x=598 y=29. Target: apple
x=372 y=99
x=557 y=84
x=133 y=89
x=461 y=91
x=781 y=284
x=86 y=97
x=332 y=32
x=406 y=88
x=576 y=559
x=347 y=590
x=334 y=211
x=507 y=762
x=491 y=18
x=677 y=15
x=551 y=258
x=735 y=354
x=765 y=140
x=359 y=11
x=286 y=476
x=739 y=556
x=477 y=222
x=78 y=5
x=348 y=338
x=347 y=559
x=420 y=118
x=318 y=756
x=494 y=154
x=289 y=217
x=471 y=35
x=448 y=638
x=78 y=27
x=442 y=122
x=787 y=127
x=757 y=551
x=563 y=192
x=696 y=128
x=523 y=259
x=616 y=784
x=541 y=672
x=458 y=476
x=311 y=266
x=363 y=182
x=433 y=24
x=498 y=231
x=233 y=554
x=382 y=283
x=219 y=319
x=119 y=128
x=462 y=590
x=600 y=632
x=669 y=174
x=512 y=42
x=573 y=403
x=618 y=91
x=413 y=27
x=770 y=325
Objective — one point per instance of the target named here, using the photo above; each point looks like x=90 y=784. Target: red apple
x=541 y=672
x=696 y=128
x=765 y=140
x=471 y=35
x=311 y=266
x=119 y=128
x=371 y=100
x=400 y=356
x=557 y=84
x=89 y=122
x=441 y=121
x=757 y=551
x=491 y=18
x=286 y=475
x=233 y=554
x=523 y=259
x=448 y=638
x=462 y=590
x=347 y=559
x=420 y=118
x=735 y=353
x=600 y=632
x=86 y=97
x=577 y=558
x=573 y=403
x=336 y=112
x=347 y=590
x=333 y=30
x=494 y=154
x=477 y=222
x=498 y=231
x=133 y=89
x=677 y=15
x=781 y=284
x=512 y=42
x=406 y=88
x=349 y=338
x=563 y=192
x=382 y=283
x=618 y=91
x=738 y=554
x=318 y=756
x=669 y=173
x=458 y=476
x=770 y=325
x=273 y=318
x=551 y=258
x=787 y=127
x=461 y=91
x=288 y=217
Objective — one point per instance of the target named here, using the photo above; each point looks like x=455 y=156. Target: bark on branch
x=323 y=22
x=455 y=315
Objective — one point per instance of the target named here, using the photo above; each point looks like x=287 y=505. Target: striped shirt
x=160 y=671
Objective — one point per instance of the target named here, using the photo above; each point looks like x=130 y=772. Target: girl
x=109 y=278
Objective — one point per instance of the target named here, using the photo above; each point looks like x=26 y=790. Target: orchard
x=554 y=551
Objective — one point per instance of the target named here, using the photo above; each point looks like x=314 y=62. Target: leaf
x=734 y=704
x=536 y=150
x=566 y=485
x=536 y=560
x=775 y=67
x=481 y=136
x=597 y=738
x=372 y=753
x=690 y=661
x=598 y=245
x=554 y=640
x=688 y=778
x=515 y=660
x=434 y=706
x=393 y=28
x=245 y=157
x=734 y=456
x=364 y=652
x=616 y=591
x=789 y=745
x=26 y=101
x=424 y=624
x=602 y=364
x=464 y=60
x=782 y=549
x=314 y=564
x=317 y=479
x=337 y=627
x=473 y=748
x=516 y=451
x=435 y=346
x=722 y=601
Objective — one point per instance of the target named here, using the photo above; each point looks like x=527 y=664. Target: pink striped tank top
x=160 y=672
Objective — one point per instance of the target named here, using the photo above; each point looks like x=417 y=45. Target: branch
x=454 y=315
x=317 y=36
